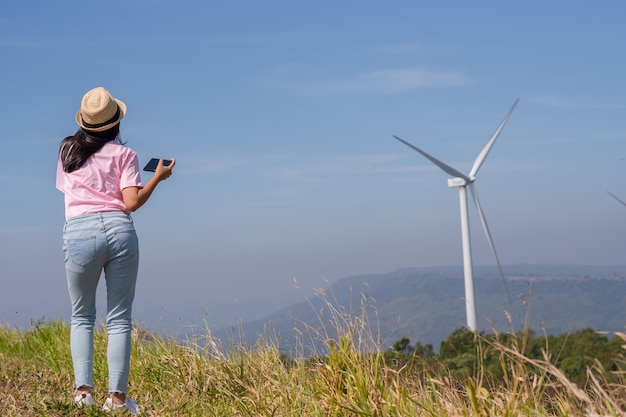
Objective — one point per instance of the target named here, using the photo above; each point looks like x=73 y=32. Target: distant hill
x=427 y=304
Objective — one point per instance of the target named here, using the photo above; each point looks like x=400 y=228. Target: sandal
x=83 y=399
x=129 y=404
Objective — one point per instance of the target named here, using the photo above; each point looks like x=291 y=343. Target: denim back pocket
x=126 y=244
x=80 y=251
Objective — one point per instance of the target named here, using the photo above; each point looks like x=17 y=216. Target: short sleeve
x=130 y=171
x=60 y=183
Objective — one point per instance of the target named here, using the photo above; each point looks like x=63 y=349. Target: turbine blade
x=483 y=153
x=617 y=198
x=447 y=168
x=483 y=221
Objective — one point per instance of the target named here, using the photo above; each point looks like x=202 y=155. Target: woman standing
x=101 y=182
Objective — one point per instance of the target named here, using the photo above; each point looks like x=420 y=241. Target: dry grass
x=351 y=378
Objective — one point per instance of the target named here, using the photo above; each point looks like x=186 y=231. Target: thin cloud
x=243 y=39
x=398 y=80
x=372 y=164
x=403 y=49
x=291 y=168
x=34 y=43
x=555 y=101
x=69 y=42
x=413 y=48
x=131 y=43
x=231 y=163
x=291 y=179
x=321 y=170
x=389 y=81
x=225 y=164
x=552 y=100
x=395 y=81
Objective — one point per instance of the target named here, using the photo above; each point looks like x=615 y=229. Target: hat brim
x=122 y=107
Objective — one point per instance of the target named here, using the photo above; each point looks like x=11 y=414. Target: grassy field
x=353 y=377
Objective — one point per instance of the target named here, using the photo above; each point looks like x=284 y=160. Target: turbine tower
x=461 y=181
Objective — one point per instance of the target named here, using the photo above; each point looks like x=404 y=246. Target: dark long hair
x=76 y=149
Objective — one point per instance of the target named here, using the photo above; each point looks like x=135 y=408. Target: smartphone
x=152 y=164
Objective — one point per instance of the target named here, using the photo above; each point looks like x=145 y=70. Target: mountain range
x=427 y=304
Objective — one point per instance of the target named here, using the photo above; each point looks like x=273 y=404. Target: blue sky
x=281 y=116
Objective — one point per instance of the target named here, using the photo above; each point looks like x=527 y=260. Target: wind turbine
x=461 y=181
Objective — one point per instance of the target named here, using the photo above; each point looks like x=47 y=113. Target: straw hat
x=99 y=111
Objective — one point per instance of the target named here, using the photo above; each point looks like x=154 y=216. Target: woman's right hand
x=163 y=172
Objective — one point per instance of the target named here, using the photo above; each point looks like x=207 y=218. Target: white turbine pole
x=470 y=304
x=468 y=272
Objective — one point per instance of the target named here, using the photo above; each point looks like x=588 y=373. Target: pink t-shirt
x=97 y=185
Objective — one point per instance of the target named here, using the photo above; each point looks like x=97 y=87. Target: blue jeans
x=93 y=243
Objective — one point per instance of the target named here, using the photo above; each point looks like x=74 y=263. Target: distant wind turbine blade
x=483 y=221
x=617 y=198
x=447 y=168
x=483 y=153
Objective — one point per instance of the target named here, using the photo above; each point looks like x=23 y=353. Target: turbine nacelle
x=458 y=182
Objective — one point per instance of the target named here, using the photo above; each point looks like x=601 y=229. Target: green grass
x=353 y=377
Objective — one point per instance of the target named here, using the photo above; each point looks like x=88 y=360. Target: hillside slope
x=427 y=304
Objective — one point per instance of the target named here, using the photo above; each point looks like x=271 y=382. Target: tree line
x=466 y=353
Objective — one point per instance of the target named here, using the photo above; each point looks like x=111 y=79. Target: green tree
x=403 y=345
x=459 y=352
